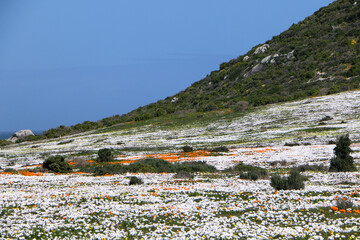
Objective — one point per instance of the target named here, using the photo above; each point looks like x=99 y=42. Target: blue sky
x=63 y=62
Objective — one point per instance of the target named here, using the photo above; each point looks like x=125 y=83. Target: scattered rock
x=262 y=49
x=266 y=59
x=22 y=134
x=255 y=70
x=290 y=54
x=246 y=58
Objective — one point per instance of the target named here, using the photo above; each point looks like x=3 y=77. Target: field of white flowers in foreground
x=211 y=206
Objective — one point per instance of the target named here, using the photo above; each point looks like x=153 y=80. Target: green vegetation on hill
x=317 y=56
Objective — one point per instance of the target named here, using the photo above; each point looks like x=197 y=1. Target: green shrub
x=187 y=149
x=57 y=164
x=140 y=167
x=4 y=143
x=105 y=155
x=10 y=170
x=315 y=168
x=158 y=165
x=220 y=149
x=135 y=181
x=254 y=174
x=183 y=175
x=110 y=169
x=294 y=181
x=342 y=162
x=241 y=167
x=344 y=203
x=192 y=167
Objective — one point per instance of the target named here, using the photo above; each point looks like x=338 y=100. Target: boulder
x=255 y=70
x=261 y=49
x=22 y=134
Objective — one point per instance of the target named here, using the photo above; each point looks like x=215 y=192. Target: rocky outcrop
x=255 y=70
x=22 y=134
x=262 y=49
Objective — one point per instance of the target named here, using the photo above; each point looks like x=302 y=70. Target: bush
x=241 y=167
x=140 y=167
x=315 y=168
x=294 y=181
x=57 y=164
x=187 y=149
x=10 y=170
x=254 y=174
x=157 y=165
x=344 y=203
x=192 y=167
x=220 y=149
x=109 y=169
x=105 y=155
x=342 y=162
x=183 y=175
x=4 y=143
x=135 y=181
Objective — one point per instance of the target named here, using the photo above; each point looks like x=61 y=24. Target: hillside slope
x=317 y=56
x=308 y=122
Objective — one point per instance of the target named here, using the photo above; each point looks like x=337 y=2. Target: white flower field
x=217 y=205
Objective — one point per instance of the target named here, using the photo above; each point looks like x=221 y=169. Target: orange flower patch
x=334 y=208
x=27 y=173
x=176 y=189
x=174 y=157
x=34 y=166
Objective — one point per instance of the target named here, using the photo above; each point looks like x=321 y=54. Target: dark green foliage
x=10 y=170
x=183 y=175
x=4 y=143
x=241 y=167
x=315 y=168
x=278 y=182
x=157 y=165
x=344 y=203
x=192 y=167
x=248 y=171
x=254 y=174
x=342 y=162
x=109 y=169
x=220 y=149
x=139 y=167
x=187 y=149
x=153 y=165
x=294 y=181
x=135 y=181
x=105 y=155
x=57 y=164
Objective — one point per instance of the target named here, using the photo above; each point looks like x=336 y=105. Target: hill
x=317 y=56
x=305 y=123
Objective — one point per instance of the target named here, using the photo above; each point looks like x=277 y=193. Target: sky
x=63 y=62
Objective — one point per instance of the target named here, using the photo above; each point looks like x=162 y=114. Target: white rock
x=290 y=54
x=246 y=58
x=266 y=59
x=21 y=135
x=262 y=49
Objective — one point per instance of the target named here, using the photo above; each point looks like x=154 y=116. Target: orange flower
x=334 y=208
